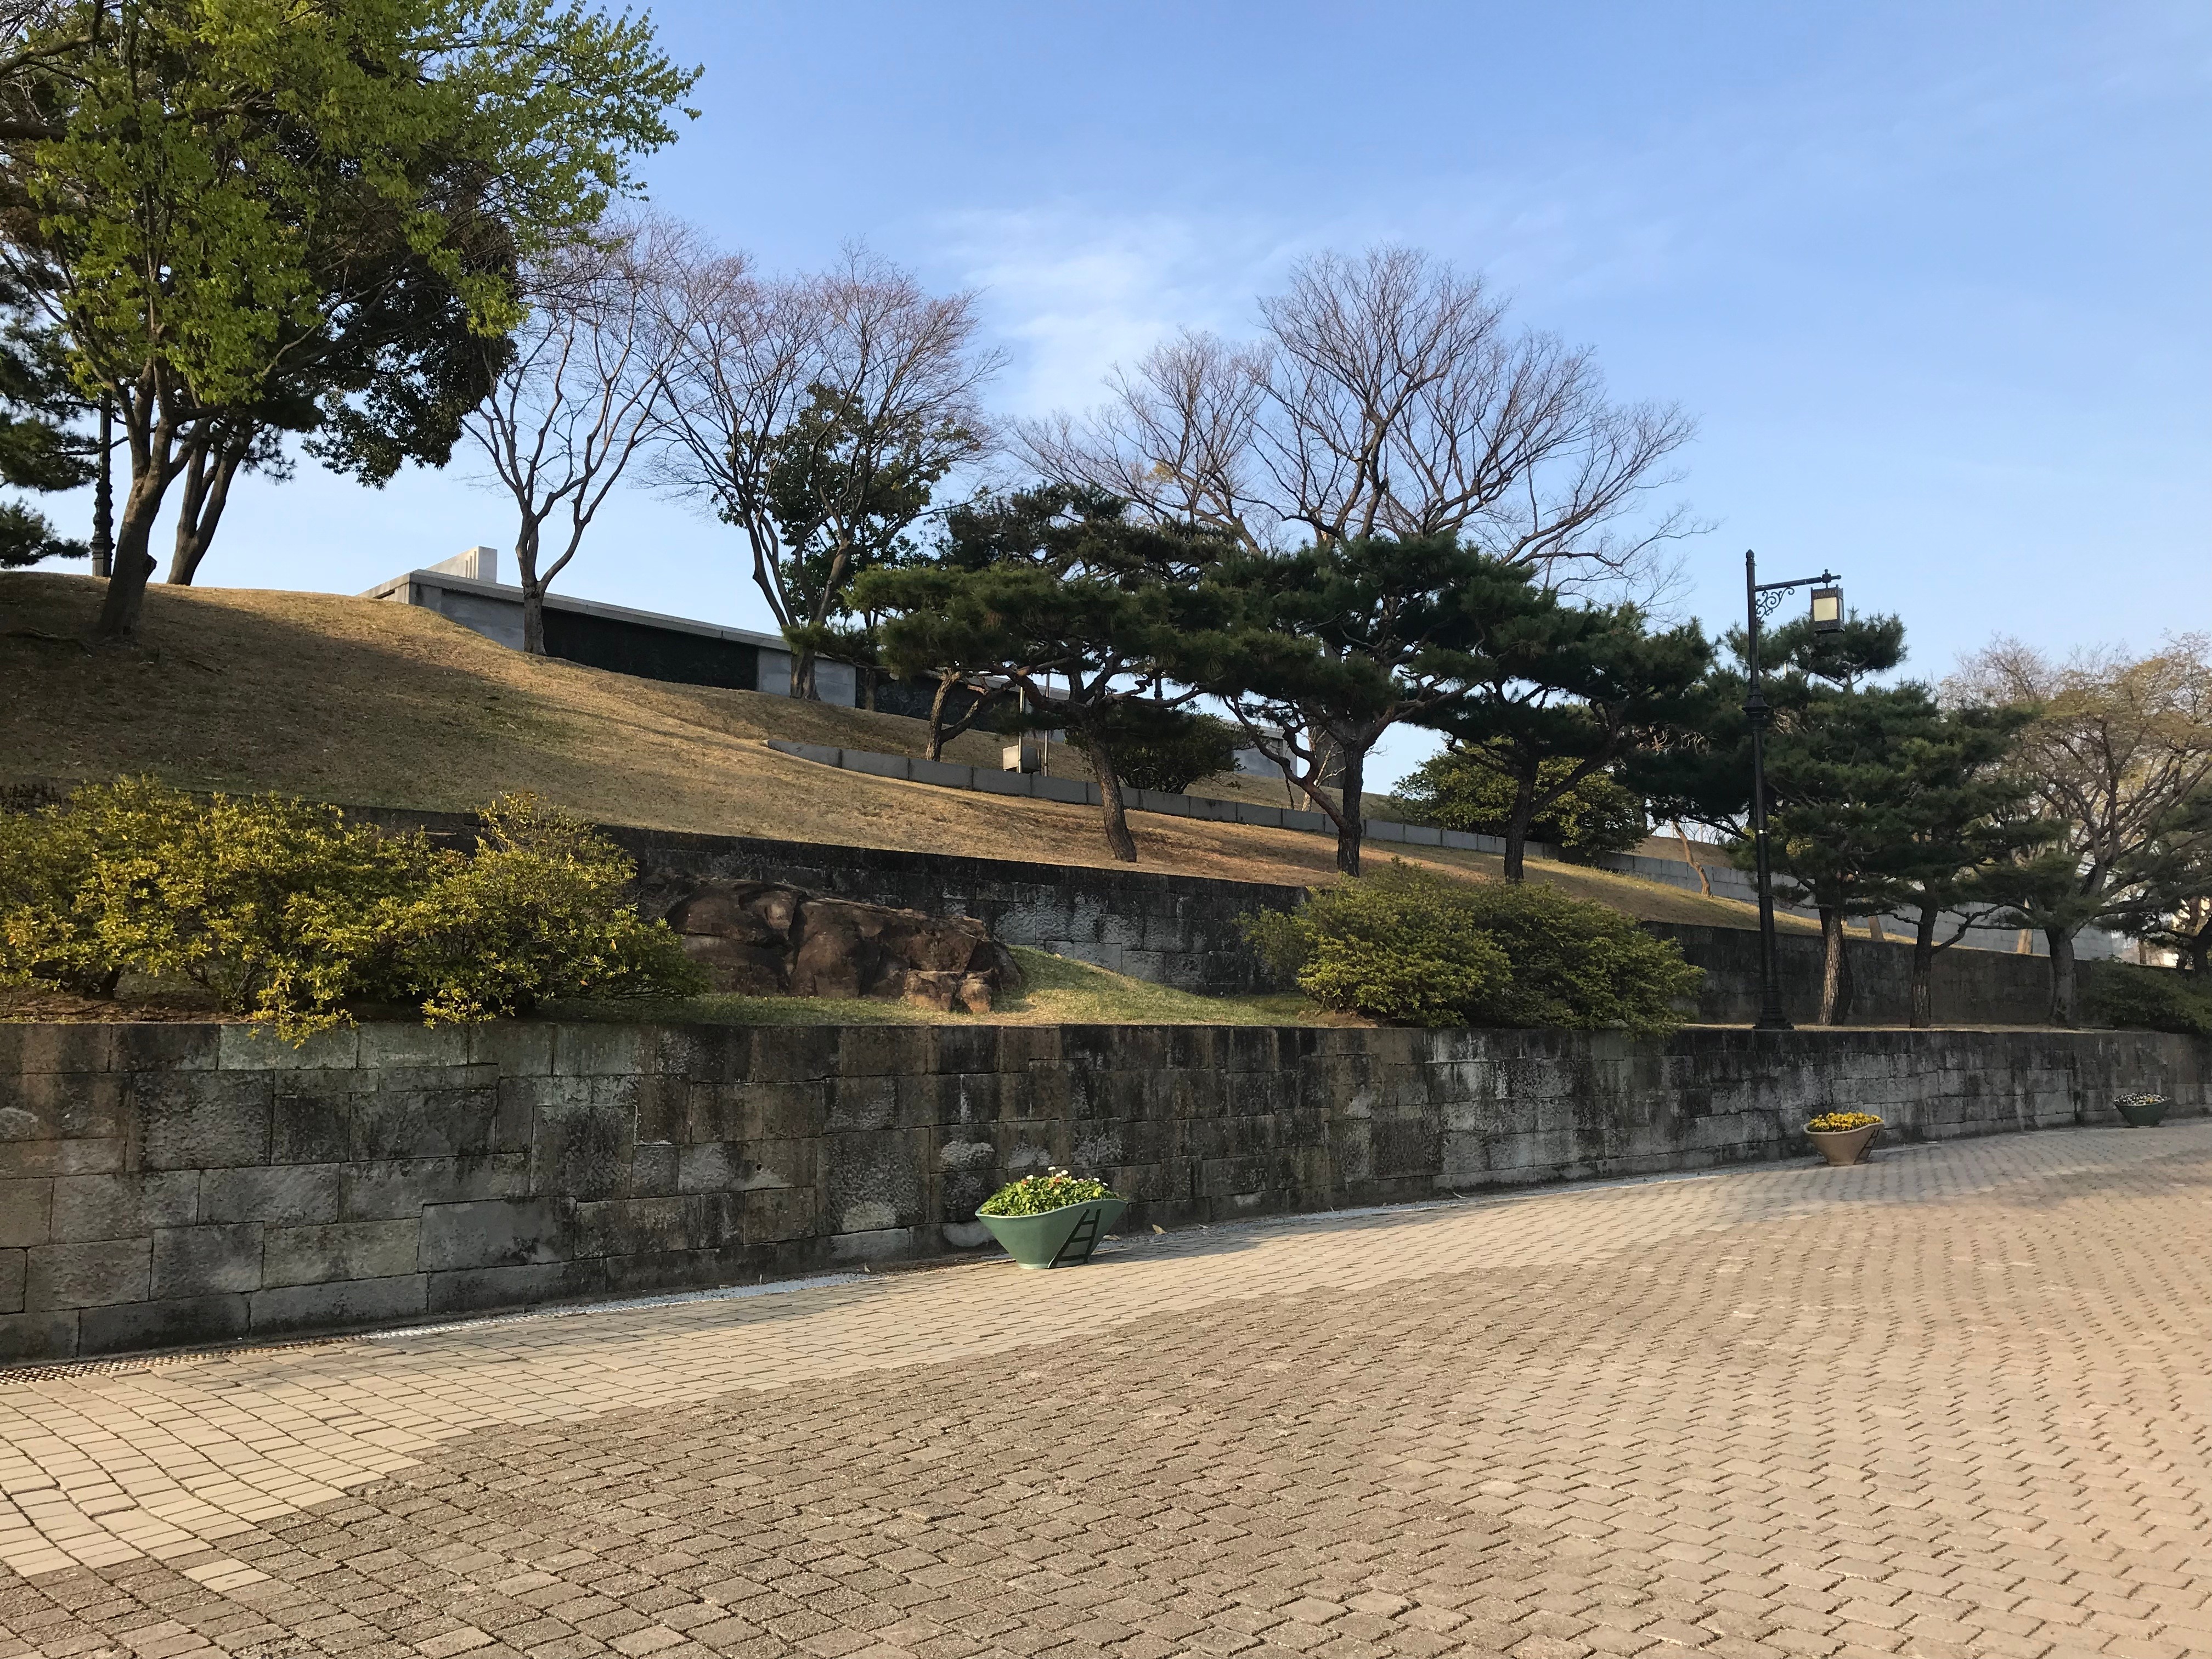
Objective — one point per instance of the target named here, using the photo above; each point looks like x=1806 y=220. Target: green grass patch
x=1055 y=991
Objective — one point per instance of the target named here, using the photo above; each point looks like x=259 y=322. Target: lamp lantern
x=1827 y=610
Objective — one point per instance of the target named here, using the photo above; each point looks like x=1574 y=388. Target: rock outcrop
x=761 y=938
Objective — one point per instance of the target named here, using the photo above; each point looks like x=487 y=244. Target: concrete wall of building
x=172 y=1184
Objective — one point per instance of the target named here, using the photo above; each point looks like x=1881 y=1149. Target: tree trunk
x=1835 y=968
x=934 y=748
x=533 y=590
x=1517 y=823
x=1705 y=881
x=2061 y=974
x=1119 y=841
x=207 y=491
x=1350 y=826
x=802 y=678
x=126 y=589
x=1923 y=969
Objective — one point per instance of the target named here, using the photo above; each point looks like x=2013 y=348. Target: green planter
x=2143 y=1114
x=1064 y=1237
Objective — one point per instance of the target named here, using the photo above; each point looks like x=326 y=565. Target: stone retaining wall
x=172 y=1184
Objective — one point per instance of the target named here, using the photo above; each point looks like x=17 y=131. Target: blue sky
x=1935 y=279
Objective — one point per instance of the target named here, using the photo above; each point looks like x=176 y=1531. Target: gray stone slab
x=400 y=1189
x=135 y=1326
x=1004 y=783
x=476 y=1289
x=330 y=1307
x=345 y=1249
x=202 y=1120
x=426 y=1112
x=944 y=773
x=22 y=1160
x=290 y=1193
x=497 y=1233
x=880 y=766
x=14 y=1265
x=88 y=1207
x=34 y=1336
x=257 y=1048
x=86 y=1275
x=25 y=1212
x=191 y=1261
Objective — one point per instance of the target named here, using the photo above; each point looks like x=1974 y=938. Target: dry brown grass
x=367 y=702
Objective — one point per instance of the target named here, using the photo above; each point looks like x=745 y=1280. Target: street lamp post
x=1760 y=600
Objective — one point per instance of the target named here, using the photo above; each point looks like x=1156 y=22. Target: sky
x=1935 y=280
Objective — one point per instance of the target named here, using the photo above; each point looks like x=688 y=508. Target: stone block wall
x=172 y=1184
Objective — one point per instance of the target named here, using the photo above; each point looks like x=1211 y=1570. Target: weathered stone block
x=136 y=1326
x=166 y=1048
x=288 y=1192
x=653 y=1170
x=580 y=1140
x=876 y=1180
x=471 y=1289
x=202 y=1120
x=21 y=1160
x=25 y=1212
x=330 y=1307
x=635 y=1226
x=400 y=1189
x=95 y=1207
x=497 y=1233
x=46 y=1335
x=426 y=1112
x=745 y=1166
x=517 y=1047
x=191 y=1261
x=312 y=1118
x=60 y=1106
x=86 y=1275
x=14 y=1265
x=596 y=1050
x=55 y=1047
x=257 y=1048
x=345 y=1249
x=413 y=1046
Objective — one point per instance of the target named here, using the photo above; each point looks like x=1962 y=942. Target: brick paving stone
x=1950 y=1402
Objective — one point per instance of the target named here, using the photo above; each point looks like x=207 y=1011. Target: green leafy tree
x=1321 y=651
x=1191 y=747
x=1585 y=816
x=1567 y=686
x=1967 y=821
x=39 y=451
x=171 y=170
x=1056 y=593
x=2176 y=912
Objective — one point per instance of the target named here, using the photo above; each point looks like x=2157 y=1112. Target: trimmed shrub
x=1186 y=749
x=1410 y=947
x=285 y=912
x=537 y=913
x=1453 y=792
x=2133 y=998
x=1037 y=1194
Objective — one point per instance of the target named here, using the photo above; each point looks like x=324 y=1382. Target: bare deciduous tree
x=580 y=395
x=1387 y=395
x=816 y=413
x=2116 y=748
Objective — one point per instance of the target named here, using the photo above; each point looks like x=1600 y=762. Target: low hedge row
x=283 y=910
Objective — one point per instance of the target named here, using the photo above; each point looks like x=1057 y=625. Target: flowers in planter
x=1830 y=1123
x=1035 y=1194
x=2146 y=1100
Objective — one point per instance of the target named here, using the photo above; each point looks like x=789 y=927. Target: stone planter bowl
x=2142 y=1115
x=1842 y=1147
x=1064 y=1237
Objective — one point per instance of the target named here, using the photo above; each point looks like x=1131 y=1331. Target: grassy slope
x=358 y=701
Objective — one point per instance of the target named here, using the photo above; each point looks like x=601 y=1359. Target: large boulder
x=763 y=938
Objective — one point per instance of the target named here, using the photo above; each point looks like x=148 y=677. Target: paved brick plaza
x=1953 y=1402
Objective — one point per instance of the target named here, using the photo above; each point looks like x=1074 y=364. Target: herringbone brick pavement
x=1954 y=1402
